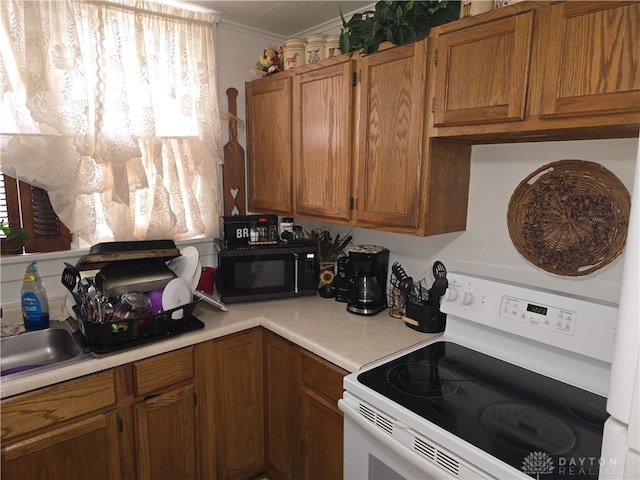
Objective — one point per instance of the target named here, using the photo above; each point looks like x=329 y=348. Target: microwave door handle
x=296 y=262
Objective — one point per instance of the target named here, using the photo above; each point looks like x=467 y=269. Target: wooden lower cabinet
x=157 y=407
x=321 y=426
x=304 y=431
x=231 y=367
x=65 y=431
x=78 y=450
x=322 y=437
x=230 y=408
x=281 y=403
x=166 y=435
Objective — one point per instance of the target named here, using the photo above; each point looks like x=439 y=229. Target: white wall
x=485 y=248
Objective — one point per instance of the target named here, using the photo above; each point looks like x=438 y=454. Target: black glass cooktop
x=536 y=424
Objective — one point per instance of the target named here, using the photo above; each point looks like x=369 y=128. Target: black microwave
x=264 y=273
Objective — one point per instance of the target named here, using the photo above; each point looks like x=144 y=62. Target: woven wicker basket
x=569 y=217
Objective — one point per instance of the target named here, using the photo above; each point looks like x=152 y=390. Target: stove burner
x=530 y=428
x=423 y=379
x=449 y=355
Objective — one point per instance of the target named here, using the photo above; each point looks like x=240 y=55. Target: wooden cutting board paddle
x=233 y=178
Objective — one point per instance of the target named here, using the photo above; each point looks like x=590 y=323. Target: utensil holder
x=430 y=319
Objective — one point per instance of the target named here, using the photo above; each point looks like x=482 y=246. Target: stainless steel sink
x=32 y=352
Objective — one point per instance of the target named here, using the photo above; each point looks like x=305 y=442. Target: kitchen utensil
x=439 y=269
x=70 y=277
x=405 y=282
x=233 y=168
x=437 y=290
x=398 y=271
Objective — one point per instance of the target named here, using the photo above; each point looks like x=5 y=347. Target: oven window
x=260 y=274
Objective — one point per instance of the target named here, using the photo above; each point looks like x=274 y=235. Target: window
x=25 y=207
x=111 y=108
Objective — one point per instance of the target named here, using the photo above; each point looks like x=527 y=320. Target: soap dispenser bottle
x=35 y=307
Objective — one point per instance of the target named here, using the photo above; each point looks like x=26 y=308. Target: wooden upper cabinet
x=390 y=138
x=593 y=60
x=268 y=104
x=322 y=112
x=539 y=71
x=482 y=72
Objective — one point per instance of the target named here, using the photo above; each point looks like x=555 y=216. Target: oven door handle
x=431 y=470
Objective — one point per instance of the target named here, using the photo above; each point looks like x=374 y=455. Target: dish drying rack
x=105 y=334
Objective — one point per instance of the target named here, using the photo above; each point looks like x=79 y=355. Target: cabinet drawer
x=162 y=371
x=57 y=403
x=321 y=376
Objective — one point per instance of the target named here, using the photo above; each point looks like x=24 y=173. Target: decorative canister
x=332 y=46
x=474 y=7
x=293 y=53
x=285 y=225
x=315 y=48
x=503 y=3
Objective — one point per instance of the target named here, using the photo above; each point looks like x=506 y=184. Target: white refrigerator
x=620 y=458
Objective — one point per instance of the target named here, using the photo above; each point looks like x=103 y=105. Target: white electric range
x=514 y=388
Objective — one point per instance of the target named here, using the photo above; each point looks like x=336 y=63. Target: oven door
x=370 y=453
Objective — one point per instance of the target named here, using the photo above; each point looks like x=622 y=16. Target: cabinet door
x=322 y=112
x=165 y=435
x=592 y=64
x=237 y=371
x=281 y=407
x=86 y=448
x=268 y=103
x=390 y=138
x=321 y=427
x=322 y=433
x=482 y=72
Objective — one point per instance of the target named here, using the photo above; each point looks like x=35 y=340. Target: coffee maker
x=368 y=283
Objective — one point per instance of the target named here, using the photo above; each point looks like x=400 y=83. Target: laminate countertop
x=320 y=325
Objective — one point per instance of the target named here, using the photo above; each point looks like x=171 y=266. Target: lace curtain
x=112 y=108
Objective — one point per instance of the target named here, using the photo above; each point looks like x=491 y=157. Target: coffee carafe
x=368 y=283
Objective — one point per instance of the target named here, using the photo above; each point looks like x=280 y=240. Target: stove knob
x=450 y=294
x=467 y=298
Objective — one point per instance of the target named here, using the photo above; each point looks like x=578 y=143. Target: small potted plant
x=12 y=239
x=329 y=249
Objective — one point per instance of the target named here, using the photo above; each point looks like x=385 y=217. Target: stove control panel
x=543 y=316
x=561 y=320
